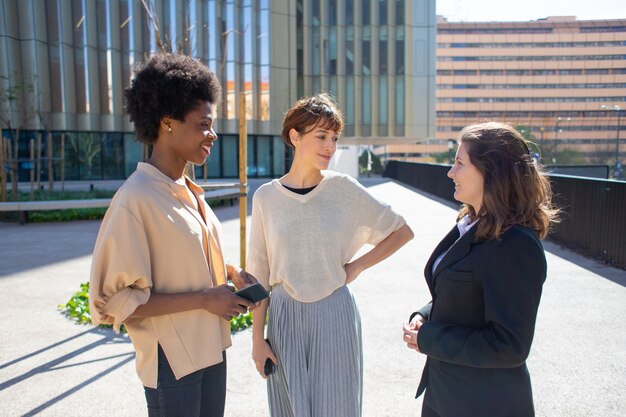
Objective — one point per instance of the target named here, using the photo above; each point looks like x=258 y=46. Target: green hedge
x=66 y=215
x=77 y=309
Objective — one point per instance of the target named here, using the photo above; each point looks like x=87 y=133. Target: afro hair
x=168 y=85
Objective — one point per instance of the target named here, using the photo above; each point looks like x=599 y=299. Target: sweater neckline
x=303 y=198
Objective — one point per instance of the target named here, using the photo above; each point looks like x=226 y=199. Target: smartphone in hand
x=253 y=293
x=270 y=366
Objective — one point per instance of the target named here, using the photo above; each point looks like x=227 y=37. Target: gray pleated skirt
x=320 y=356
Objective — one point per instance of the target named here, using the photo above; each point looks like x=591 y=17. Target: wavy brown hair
x=516 y=191
x=311 y=112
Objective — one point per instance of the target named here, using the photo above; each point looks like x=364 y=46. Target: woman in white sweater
x=306 y=228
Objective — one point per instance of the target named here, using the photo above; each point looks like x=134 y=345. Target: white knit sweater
x=303 y=241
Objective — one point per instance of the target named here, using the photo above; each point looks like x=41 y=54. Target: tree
x=370 y=160
x=17 y=97
x=87 y=148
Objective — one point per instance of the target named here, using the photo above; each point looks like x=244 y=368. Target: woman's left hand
x=240 y=277
x=352 y=271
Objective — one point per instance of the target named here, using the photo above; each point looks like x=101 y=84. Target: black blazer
x=480 y=324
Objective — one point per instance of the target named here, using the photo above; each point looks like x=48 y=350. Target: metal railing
x=593 y=219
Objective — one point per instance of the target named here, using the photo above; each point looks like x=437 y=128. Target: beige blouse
x=152 y=237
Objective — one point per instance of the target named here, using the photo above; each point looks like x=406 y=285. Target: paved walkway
x=52 y=367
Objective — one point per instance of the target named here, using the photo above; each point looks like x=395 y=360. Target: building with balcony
x=64 y=65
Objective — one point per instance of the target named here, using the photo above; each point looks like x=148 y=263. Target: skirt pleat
x=320 y=357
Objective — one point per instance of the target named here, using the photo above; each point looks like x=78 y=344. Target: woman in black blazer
x=485 y=278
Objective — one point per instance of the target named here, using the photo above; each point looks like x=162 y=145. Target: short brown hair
x=516 y=191
x=310 y=112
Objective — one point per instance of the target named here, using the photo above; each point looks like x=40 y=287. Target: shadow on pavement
x=42 y=244
x=74 y=389
x=613 y=274
x=107 y=337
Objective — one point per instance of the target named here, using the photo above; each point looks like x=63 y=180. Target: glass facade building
x=65 y=64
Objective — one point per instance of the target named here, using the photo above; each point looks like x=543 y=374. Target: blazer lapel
x=457 y=251
x=445 y=243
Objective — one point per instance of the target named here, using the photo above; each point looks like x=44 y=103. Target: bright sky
x=516 y=10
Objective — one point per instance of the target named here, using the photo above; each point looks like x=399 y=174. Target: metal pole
x=3 y=182
x=50 y=163
x=32 y=169
x=556 y=135
x=243 y=179
x=62 y=162
x=556 y=139
x=39 y=161
x=617 y=161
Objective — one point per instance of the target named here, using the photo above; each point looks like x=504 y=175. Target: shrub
x=77 y=309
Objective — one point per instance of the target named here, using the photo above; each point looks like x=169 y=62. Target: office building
x=70 y=60
x=561 y=79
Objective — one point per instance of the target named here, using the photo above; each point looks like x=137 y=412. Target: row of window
x=492 y=31
x=581 y=71
x=602 y=29
x=527 y=99
x=526 y=86
x=379 y=17
x=533 y=44
x=609 y=142
x=114 y=155
x=524 y=114
x=525 y=30
x=562 y=126
x=326 y=62
x=533 y=58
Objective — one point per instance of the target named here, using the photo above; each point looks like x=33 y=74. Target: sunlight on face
x=468 y=181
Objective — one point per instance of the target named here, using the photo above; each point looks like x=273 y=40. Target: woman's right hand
x=260 y=352
x=222 y=302
x=410 y=331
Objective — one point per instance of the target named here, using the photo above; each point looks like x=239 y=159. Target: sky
x=516 y=10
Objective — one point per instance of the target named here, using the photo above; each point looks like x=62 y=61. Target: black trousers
x=200 y=394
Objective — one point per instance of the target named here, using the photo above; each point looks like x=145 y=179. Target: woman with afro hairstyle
x=157 y=265
x=485 y=278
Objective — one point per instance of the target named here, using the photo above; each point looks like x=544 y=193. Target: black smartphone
x=270 y=366
x=253 y=293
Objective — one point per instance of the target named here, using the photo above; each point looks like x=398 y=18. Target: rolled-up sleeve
x=120 y=279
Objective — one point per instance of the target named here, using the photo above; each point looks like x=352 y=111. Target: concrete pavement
x=51 y=367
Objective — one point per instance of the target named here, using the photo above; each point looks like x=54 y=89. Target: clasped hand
x=410 y=331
